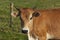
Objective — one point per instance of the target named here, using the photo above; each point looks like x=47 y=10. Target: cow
x=39 y=24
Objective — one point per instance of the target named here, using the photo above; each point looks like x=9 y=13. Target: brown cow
x=41 y=24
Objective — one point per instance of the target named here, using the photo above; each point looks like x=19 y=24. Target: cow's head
x=26 y=16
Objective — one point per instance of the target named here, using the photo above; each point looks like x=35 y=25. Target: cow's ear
x=35 y=14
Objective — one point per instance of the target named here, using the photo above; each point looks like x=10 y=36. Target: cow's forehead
x=26 y=11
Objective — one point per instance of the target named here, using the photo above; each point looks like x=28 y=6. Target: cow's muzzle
x=25 y=31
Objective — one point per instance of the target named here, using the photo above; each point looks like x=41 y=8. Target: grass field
x=13 y=33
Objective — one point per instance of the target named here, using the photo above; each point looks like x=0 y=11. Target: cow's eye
x=31 y=18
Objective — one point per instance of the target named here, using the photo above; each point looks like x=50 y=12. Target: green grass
x=13 y=33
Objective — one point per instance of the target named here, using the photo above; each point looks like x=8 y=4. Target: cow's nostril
x=24 y=31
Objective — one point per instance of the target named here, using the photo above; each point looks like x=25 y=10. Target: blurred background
x=13 y=32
